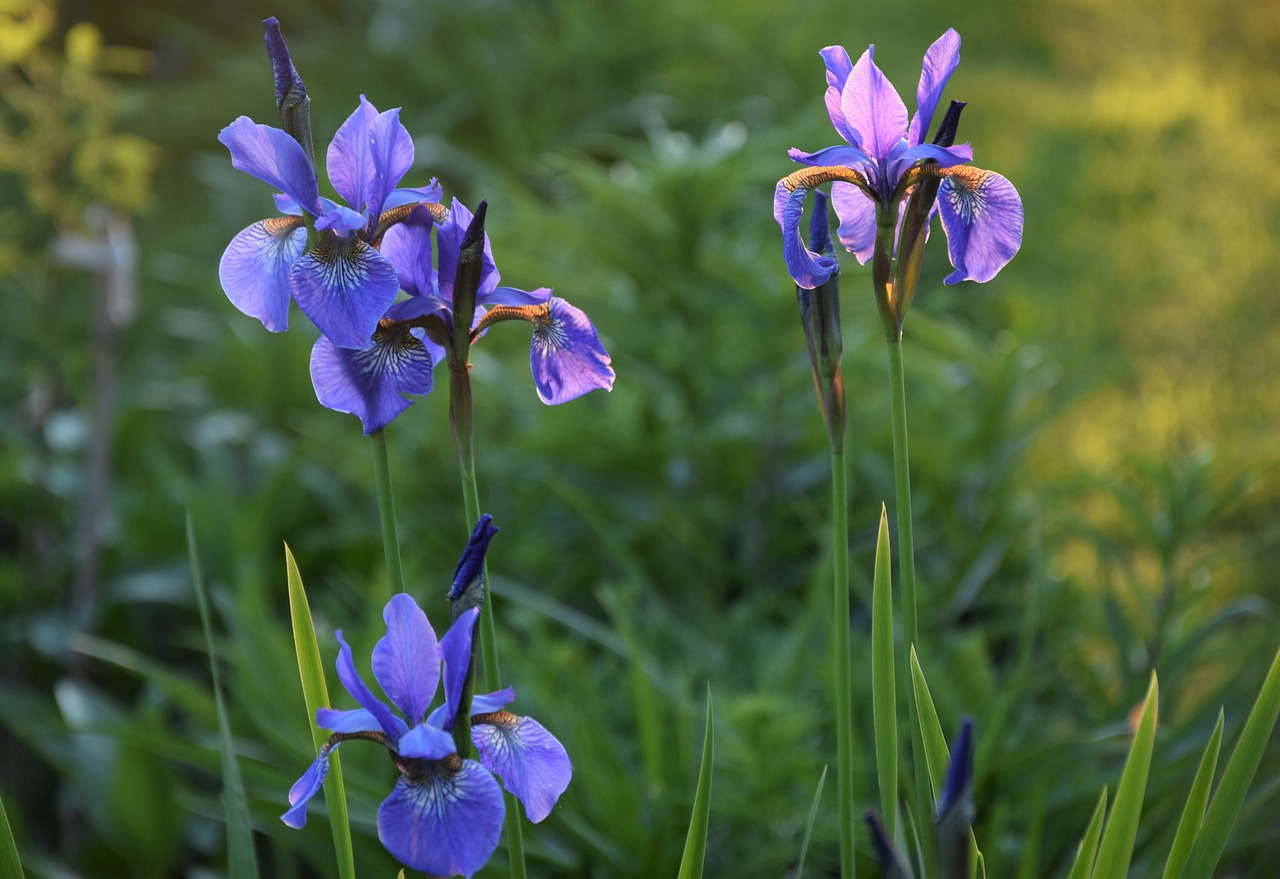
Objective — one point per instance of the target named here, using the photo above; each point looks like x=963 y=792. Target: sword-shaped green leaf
x=1122 y=826
x=1193 y=812
x=883 y=700
x=1088 y=849
x=695 y=843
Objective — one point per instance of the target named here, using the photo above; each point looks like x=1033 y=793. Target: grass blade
x=1193 y=812
x=808 y=827
x=316 y=695
x=241 y=860
x=11 y=867
x=1122 y=827
x=883 y=699
x=1236 y=778
x=695 y=843
x=935 y=742
x=1088 y=849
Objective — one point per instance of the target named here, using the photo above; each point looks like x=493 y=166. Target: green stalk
x=902 y=493
x=387 y=511
x=840 y=639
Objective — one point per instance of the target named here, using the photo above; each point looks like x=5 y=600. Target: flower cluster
x=346 y=264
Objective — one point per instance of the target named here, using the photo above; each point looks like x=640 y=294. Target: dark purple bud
x=468 y=579
x=466 y=279
x=291 y=94
x=820 y=226
x=946 y=135
x=955 y=808
x=891 y=867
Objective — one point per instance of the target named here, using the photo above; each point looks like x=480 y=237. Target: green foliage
x=695 y=843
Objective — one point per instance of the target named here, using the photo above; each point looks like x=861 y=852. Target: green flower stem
x=387 y=512
x=460 y=416
x=840 y=640
x=902 y=494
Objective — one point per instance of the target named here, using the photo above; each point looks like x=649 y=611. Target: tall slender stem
x=387 y=511
x=460 y=413
x=840 y=641
x=902 y=494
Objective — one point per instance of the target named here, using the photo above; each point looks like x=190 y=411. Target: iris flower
x=566 y=357
x=883 y=157
x=341 y=281
x=444 y=815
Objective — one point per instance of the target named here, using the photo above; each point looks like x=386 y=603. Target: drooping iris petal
x=455 y=648
x=349 y=157
x=305 y=788
x=532 y=763
x=443 y=821
x=940 y=61
x=371 y=385
x=354 y=720
x=254 y=270
x=344 y=286
x=426 y=742
x=565 y=356
x=406 y=661
x=806 y=268
x=982 y=216
x=838 y=68
x=393 y=726
x=872 y=106
x=857 y=213
x=273 y=157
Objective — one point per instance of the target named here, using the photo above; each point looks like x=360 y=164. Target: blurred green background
x=1094 y=433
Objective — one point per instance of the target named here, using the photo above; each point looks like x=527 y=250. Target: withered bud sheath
x=820 y=318
x=291 y=93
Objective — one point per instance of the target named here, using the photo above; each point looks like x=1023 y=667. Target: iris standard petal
x=354 y=720
x=344 y=286
x=254 y=269
x=838 y=68
x=443 y=821
x=351 y=681
x=565 y=354
x=872 y=106
x=427 y=742
x=371 y=385
x=532 y=763
x=940 y=61
x=857 y=213
x=391 y=150
x=806 y=268
x=305 y=788
x=349 y=157
x=455 y=649
x=273 y=157
x=406 y=661
x=407 y=245
x=449 y=241
x=982 y=216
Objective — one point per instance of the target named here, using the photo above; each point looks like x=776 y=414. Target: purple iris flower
x=342 y=282
x=981 y=211
x=444 y=815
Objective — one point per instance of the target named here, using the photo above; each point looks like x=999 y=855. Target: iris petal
x=426 y=742
x=565 y=355
x=355 y=720
x=940 y=61
x=391 y=725
x=444 y=823
x=837 y=155
x=305 y=788
x=348 y=158
x=806 y=268
x=254 y=270
x=449 y=240
x=391 y=150
x=273 y=157
x=532 y=763
x=432 y=193
x=371 y=384
x=406 y=661
x=344 y=286
x=857 y=213
x=407 y=245
x=982 y=216
x=872 y=106
x=455 y=647
x=512 y=296
x=838 y=69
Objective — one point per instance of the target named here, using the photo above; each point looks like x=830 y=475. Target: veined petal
x=355 y=720
x=406 y=661
x=455 y=648
x=532 y=763
x=872 y=106
x=344 y=286
x=565 y=355
x=351 y=681
x=370 y=384
x=806 y=268
x=432 y=193
x=940 y=61
x=254 y=270
x=391 y=150
x=426 y=742
x=273 y=157
x=443 y=821
x=838 y=69
x=407 y=245
x=349 y=157
x=305 y=788
x=857 y=215
x=512 y=296
x=982 y=216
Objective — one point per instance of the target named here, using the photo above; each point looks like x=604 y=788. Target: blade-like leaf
x=241 y=860
x=11 y=867
x=882 y=679
x=1236 y=778
x=935 y=742
x=316 y=695
x=695 y=843
x=808 y=827
x=1193 y=812
x=1122 y=826
x=1088 y=848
